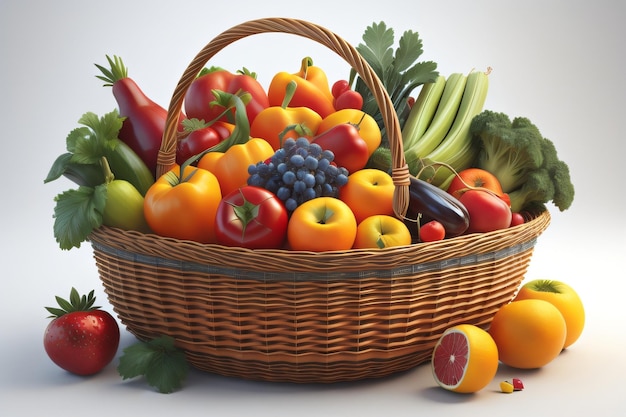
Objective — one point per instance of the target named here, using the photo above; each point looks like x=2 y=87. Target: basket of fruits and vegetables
x=309 y=230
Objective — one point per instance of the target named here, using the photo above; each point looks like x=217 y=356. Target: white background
x=560 y=63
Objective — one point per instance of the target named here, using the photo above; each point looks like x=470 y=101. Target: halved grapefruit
x=465 y=359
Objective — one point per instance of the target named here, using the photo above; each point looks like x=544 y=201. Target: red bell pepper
x=199 y=98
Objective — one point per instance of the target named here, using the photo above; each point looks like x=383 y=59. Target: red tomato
x=339 y=87
x=432 y=231
x=251 y=217
x=487 y=212
x=517 y=219
x=81 y=338
x=349 y=99
x=344 y=97
x=350 y=149
x=199 y=140
x=474 y=177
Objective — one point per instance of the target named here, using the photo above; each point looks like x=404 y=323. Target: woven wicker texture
x=308 y=317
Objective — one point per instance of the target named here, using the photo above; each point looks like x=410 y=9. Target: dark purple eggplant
x=433 y=203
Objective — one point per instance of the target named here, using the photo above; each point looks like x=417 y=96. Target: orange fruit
x=322 y=224
x=381 y=231
x=529 y=333
x=368 y=192
x=465 y=359
x=564 y=298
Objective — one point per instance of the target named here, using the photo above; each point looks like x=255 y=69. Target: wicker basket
x=307 y=317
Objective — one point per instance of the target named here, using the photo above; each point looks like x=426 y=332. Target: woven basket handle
x=400 y=173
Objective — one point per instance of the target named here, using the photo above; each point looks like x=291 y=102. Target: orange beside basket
x=308 y=317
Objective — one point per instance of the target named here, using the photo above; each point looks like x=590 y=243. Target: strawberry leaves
x=75 y=303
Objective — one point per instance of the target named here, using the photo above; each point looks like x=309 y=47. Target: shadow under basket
x=309 y=317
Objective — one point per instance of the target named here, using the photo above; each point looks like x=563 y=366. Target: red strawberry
x=81 y=339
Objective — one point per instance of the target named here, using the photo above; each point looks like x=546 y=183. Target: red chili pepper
x=346 y=143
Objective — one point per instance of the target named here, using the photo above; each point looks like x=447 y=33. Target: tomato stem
x=245 y=212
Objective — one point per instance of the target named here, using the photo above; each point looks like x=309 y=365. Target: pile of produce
x=261 y=167
x=304 y=164
x=545 y=318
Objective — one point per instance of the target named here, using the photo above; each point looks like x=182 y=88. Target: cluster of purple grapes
x=298 y=172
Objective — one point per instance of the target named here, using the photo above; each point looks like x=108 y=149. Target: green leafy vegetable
x=526 y=164
x=398 y=69
x=77 y=213
x=87 y=144
x=162 y=364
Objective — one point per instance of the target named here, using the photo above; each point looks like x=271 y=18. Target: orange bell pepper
x=277 y=123
x=312 y=89
x=182 y=204
x=231 y=167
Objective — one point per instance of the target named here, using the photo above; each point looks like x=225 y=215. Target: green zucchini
x=126 y=165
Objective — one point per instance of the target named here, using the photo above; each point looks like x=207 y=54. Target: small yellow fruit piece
x=506 y=387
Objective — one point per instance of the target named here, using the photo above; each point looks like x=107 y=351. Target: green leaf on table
x=163 y=365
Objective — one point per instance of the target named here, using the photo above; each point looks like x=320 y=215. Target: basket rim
x=269 y=275
x=152 y=248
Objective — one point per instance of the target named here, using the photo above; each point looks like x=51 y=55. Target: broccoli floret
x=538 y=187
x=508 y=149
x=526 y=164
x=559 y=175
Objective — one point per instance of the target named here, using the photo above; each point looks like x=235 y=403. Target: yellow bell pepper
x=277 y=123
x=312 y=89
x=231 y=167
